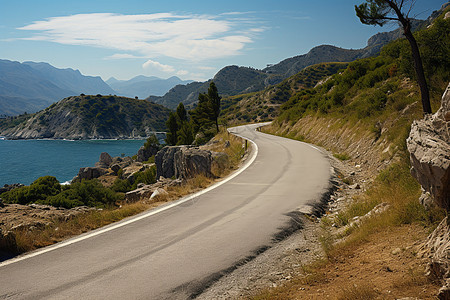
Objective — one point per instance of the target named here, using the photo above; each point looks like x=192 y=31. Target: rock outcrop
x=145 y=153
x=429 y=147
x=437 y=249
x=183 y=162
x=153 y=192
x=104 y=161
x=89 y=173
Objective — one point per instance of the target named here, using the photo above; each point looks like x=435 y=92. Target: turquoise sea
x=23 y=161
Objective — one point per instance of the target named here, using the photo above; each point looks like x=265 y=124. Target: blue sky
x=188 y=39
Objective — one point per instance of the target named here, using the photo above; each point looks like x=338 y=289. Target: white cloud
x=122 y=56
x=189 y=37
x=150 y=64
x=182 y=72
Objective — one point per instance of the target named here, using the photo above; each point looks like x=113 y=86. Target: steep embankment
x=89 y=117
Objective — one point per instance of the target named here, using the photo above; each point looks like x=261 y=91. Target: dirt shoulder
x=384 y=266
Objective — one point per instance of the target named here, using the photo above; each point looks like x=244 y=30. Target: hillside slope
x=89 y=117
x=265 y=105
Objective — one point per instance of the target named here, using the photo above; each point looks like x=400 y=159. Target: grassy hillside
x=264 y=105
x=377 y=94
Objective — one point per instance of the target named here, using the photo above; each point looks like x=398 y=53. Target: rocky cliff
x=89 y=117
x=429 y=147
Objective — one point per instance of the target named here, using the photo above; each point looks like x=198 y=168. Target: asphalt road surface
x=176 y=251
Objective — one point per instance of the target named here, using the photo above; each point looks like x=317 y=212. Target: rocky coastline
x=188 y=161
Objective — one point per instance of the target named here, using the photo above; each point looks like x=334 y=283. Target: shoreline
x=6 y=138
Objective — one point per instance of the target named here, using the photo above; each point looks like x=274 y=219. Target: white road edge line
x=146 y=215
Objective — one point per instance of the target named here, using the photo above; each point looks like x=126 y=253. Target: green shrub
x=147 y=177
x=40 y=189
x=121 y=185
x=87 y=192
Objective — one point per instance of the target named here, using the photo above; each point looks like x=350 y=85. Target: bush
x=146 y=177
x=87 y=192
x=40 y=189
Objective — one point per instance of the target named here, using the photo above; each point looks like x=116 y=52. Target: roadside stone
x=139 y=194
x=396 y=251
x=159 y=194
x=355 y=186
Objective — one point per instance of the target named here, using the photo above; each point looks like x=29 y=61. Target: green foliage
x=147 y=177
x=152 y=142
x=172 y=126
x=40 y=189
x=185 y=134
x=181 y=112
x=87 y=192
x=373 y=12
x=125 y=185
x=342 y=156
x=370 y=87
x=214 y=100
x=121 y=185
x=264 y=105
x=47 y=190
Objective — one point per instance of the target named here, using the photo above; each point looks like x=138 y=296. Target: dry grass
x=359 y=254
x=358 y=292
x=28 y=240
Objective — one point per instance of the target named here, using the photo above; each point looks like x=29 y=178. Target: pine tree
x=214 y=100
x=379 y=12
x=172 y=126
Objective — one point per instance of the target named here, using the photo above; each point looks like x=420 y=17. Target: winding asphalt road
x=174 y=252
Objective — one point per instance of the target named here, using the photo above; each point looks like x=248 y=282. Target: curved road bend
x=175 y=253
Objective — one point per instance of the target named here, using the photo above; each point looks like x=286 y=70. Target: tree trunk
x=419 y=71
x=418 y=66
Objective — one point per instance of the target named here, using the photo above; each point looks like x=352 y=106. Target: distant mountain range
x=30 y=86
x=143 y=86
x=234 y=80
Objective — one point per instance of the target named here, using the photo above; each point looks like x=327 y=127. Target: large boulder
x=429 y=147
x=89 y=173
x=104 y=161
x=138 y=194
x=145 y=153
x=164 y=161
x=183 y=162
x=191 y=161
